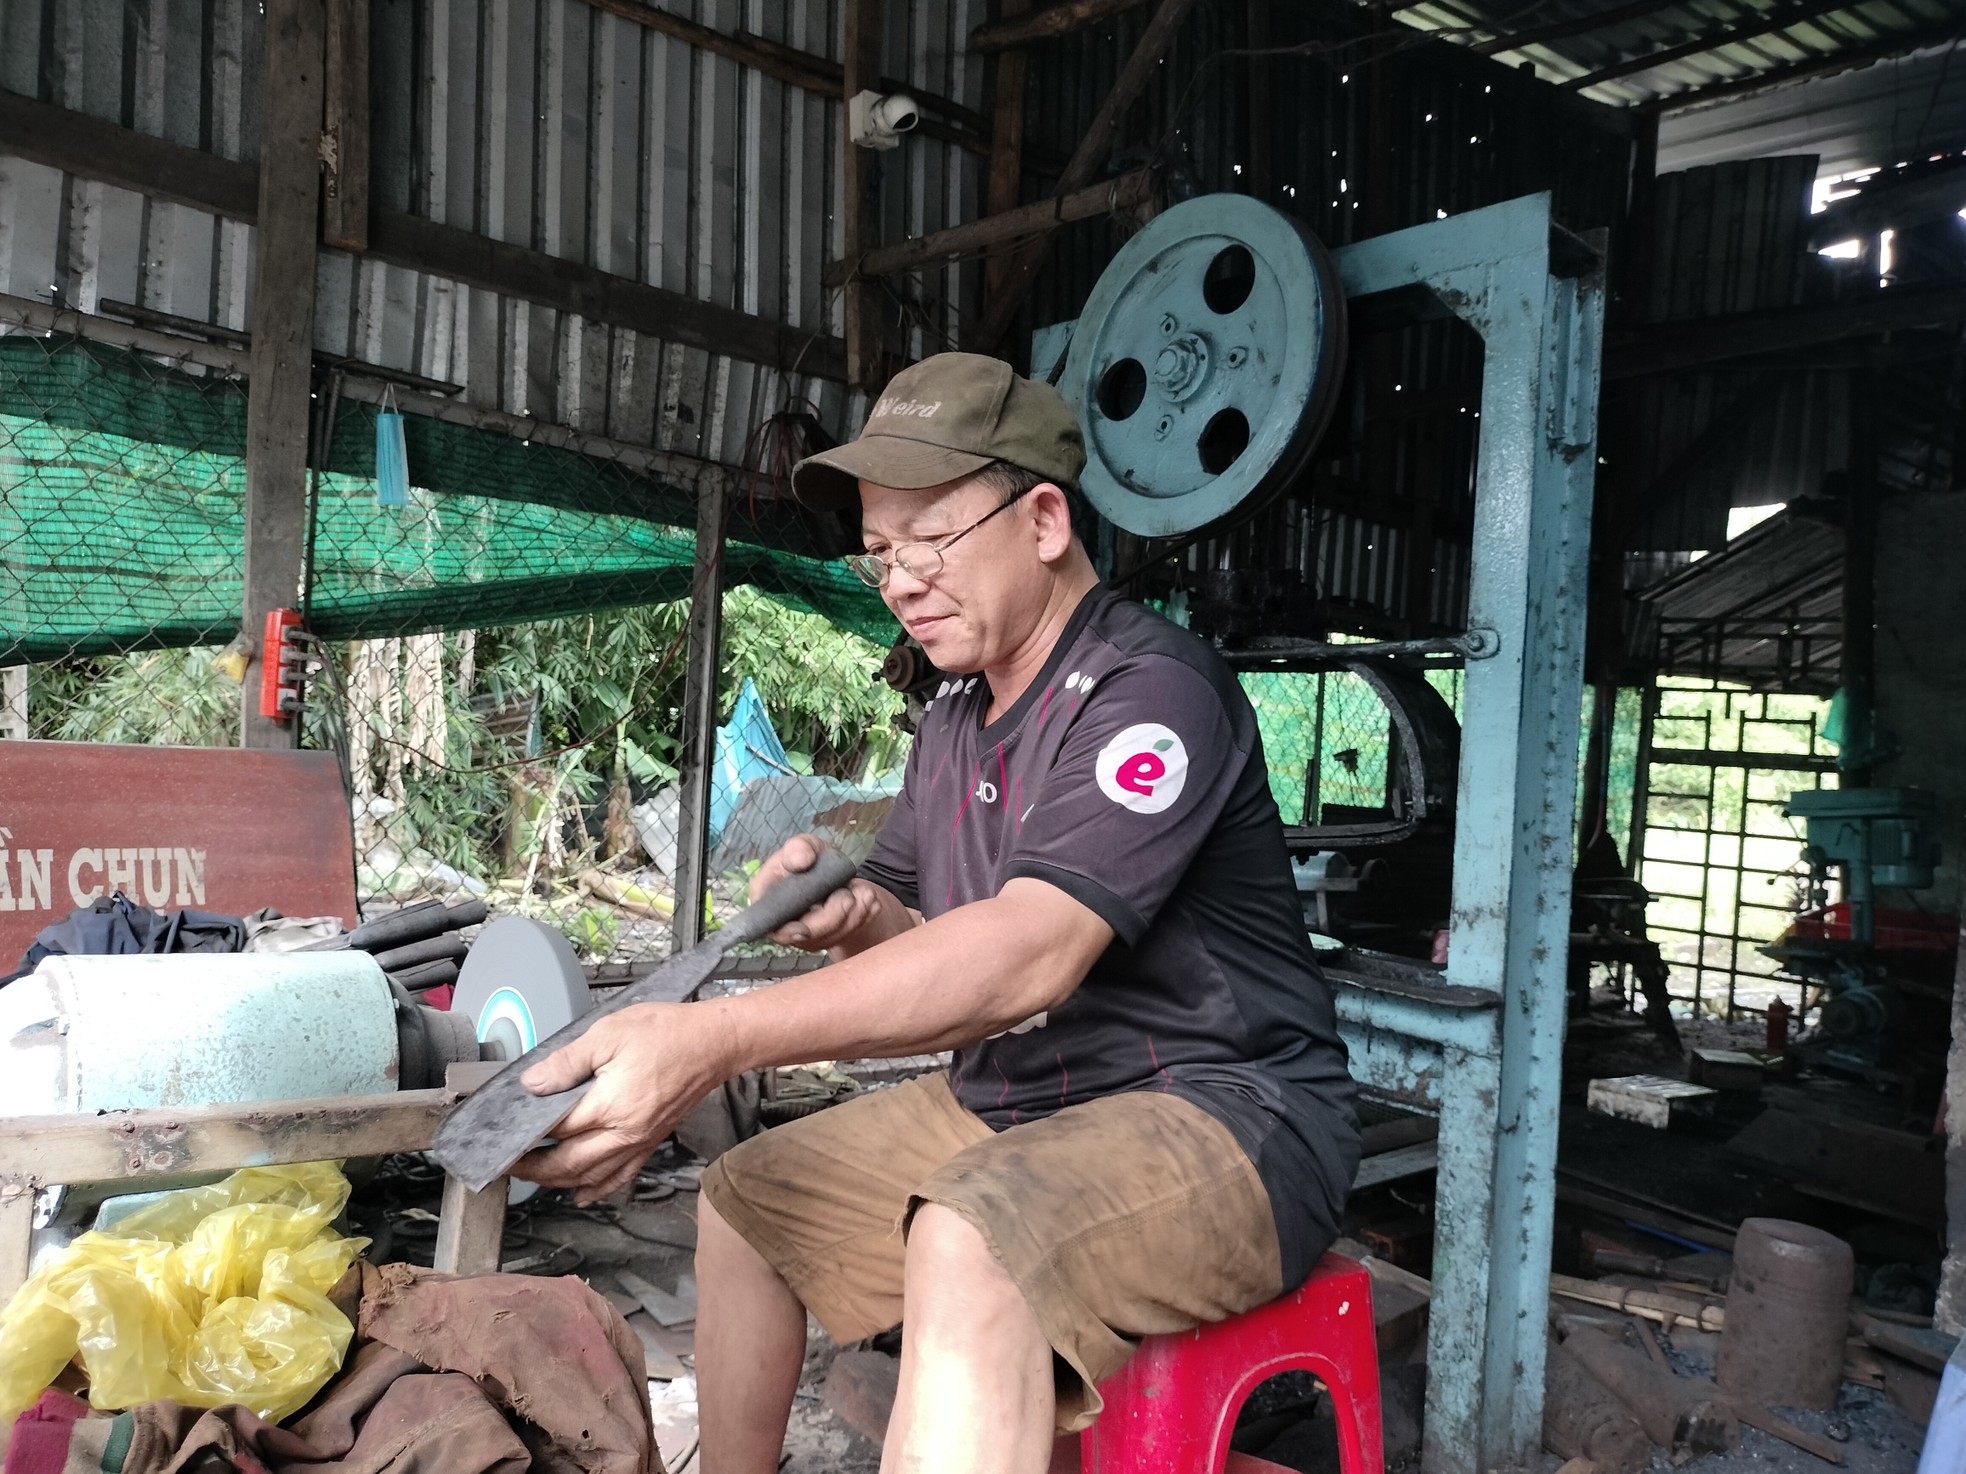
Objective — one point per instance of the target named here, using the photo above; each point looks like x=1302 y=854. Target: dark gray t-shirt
x=1130 y=775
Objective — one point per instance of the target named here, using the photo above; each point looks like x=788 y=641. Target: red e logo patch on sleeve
x=1143 y=768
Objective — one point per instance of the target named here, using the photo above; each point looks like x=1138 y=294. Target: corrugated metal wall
x=543 y=123
x=1728 y=238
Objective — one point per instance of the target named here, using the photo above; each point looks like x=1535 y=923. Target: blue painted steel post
x=1514 y=832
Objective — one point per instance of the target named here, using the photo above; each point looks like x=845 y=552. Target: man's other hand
x=650 y=1064
x=852 y=918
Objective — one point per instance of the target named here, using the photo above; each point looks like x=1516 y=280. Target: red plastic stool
x=1172 y=1408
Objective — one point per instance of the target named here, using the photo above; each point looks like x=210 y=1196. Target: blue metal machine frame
x=1484 y=1046
x=1487 y=1051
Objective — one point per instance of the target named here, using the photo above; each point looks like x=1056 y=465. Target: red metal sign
x=213 y=828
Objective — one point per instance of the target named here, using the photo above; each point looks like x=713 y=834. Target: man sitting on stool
x=1083 y=890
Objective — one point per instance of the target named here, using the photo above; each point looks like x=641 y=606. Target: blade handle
x=790 y=899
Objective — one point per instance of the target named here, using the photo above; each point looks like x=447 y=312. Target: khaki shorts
x=1124 y=1217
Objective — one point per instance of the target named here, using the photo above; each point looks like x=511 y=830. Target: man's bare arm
x=970 y=973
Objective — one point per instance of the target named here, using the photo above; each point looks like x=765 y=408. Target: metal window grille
x=1722 y=861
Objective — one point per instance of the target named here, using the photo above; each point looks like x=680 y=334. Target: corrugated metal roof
x=1900 y=108
x=1625 y=53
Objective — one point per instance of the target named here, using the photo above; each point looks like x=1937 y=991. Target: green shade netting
x=122 y=521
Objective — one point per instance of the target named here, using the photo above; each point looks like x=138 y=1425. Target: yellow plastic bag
x=210 y=1295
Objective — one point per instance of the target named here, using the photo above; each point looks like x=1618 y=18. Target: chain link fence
x=497 y=651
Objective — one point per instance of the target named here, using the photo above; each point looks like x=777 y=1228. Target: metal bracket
x=1474 y=644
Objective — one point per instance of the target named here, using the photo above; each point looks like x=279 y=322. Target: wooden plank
x=470 y=1227
x=345 y=186
x=1008 y=33
x=861 y=176
x=958 y=241
x=85 y=146
x=1086 y=162
x=279 y=401
x=135 y=1145
x=16 y=1235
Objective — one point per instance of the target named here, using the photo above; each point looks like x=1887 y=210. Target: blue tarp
x=747 y=748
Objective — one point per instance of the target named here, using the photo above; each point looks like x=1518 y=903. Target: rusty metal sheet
x=214 y=828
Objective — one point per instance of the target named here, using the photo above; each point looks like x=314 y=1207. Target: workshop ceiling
x=1653 y=54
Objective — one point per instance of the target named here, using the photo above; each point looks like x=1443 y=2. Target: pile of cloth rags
x=499 y=1374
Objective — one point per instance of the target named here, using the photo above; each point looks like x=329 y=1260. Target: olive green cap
x=942 y=419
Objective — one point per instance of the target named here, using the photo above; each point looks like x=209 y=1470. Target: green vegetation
x=516 y=750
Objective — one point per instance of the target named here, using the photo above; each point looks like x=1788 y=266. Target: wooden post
x=345 y=202
x=862 y=179
x=1262 y=103
x=699 y=755
x=1086 y=162
x=1006 y=144
x=277 y=407
x=470 y=1228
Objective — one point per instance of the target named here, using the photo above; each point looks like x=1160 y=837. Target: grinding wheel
x=521 y=983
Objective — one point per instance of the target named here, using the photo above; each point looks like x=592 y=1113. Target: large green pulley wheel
x=1205 y=366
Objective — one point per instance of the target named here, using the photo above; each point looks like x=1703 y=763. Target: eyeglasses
x=919 y=560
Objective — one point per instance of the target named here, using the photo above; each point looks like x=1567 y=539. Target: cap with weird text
x=945 y=418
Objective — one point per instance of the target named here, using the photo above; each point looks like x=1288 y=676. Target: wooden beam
x=135 y=1145
x=861 y=178
x=599 y=296
x=1764 y=23
x=345 y=185
x=963 y=127
x=1576 y=26
x=1006 y=186
x=1883 y=49
x=85 y=146
x=76 y=143
x=957 y=241
x=1086 y=162
x=1680 y=346
x=280 y=392
x=1015 y=29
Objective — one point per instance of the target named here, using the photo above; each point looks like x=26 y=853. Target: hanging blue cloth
x=392 y=455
